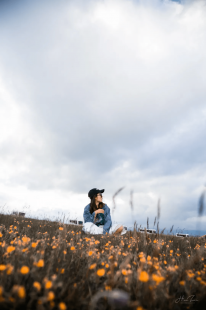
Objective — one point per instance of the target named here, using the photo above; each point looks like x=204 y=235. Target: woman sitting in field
x=97 y=218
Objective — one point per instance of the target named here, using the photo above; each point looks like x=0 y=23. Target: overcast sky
x=103 y=94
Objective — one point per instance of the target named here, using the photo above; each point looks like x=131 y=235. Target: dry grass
x=48 y=265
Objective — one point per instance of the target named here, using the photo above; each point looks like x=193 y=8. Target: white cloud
x=103 y=94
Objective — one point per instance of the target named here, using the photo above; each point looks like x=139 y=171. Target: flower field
x=50 y=265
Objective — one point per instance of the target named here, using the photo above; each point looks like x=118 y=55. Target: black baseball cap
x=94 y=191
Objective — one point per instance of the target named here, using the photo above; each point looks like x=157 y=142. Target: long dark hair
x=93 y=206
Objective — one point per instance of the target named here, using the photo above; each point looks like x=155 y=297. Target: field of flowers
x=51 y=265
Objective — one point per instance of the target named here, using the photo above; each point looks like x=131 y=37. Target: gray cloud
x=104 y=94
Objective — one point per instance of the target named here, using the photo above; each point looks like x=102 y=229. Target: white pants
x=91 y=228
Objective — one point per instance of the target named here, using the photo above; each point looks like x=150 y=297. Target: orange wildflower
x=61 y=228
x=9 y=269
x=182 y=282
x=144 y=277
x=190 y=274
x=24 y=250
x=62 y=306
x=2 y=267
x=92 y=266
x=124 y=272
x=101 y=272
x=142 y=259
x=50 y=295
x=10 y=249
x=24 y=269
x=25 y=239
x=48 y=284
x=37 y=285
x=40 y=263
x=90 y=253
x=157 y=278
x=72 y=248
x=21 y=292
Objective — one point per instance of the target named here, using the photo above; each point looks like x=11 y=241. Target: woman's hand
x=99 y=211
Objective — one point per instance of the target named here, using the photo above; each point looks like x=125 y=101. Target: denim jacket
x=99 y=219
x=88 y=217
